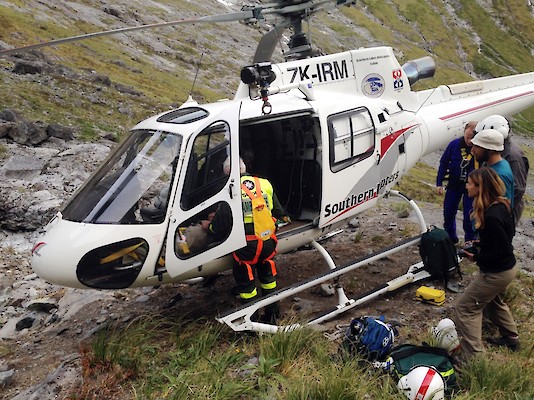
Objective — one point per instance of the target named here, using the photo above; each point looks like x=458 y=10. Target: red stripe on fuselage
x=482 y=106
x=388 y=141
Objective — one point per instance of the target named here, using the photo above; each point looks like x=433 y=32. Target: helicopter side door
x=350 y=181
x=208 y=191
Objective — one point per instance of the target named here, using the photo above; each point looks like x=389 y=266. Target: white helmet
x=497 y=122
x=446 y=335
x=489 y=139
x=422 y=383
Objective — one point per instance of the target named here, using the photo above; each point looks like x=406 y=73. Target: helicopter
x=332 y=133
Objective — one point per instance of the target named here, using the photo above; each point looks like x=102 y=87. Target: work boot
x=272 y=311
x=272 y=314
x=505 y=341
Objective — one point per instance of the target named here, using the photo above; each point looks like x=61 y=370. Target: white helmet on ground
x=489 y=139
x=497 y=122
x=422 y=383
x=446 y=335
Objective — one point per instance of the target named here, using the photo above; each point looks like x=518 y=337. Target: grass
x=199 y=359
x=420 y=183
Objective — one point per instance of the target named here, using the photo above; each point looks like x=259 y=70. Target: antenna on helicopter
x=195 y=79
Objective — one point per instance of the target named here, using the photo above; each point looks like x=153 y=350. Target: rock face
x=21 y=131
x=34 y=181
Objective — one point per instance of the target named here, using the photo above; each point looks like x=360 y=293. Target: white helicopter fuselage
x=334 y=135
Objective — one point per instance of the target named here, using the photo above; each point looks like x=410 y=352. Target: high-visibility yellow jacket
x=266 y=189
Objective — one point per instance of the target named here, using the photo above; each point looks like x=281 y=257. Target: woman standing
x=493 y=253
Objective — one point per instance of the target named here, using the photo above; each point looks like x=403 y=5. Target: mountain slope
x=105 y=85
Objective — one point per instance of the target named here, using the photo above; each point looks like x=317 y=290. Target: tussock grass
x=498 y=377
x=157 y=358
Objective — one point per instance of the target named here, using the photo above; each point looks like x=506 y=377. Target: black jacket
x=496 y=251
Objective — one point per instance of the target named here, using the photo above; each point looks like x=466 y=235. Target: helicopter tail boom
x=450 y=107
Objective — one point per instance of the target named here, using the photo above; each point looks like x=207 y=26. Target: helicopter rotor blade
x=291 y=12
x=249 y=14
x=268 y=43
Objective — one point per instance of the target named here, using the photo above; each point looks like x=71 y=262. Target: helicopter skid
x=240 y=318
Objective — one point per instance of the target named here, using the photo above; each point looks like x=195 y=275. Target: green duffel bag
x=404 y=357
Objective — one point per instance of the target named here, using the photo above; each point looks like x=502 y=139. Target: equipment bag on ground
x=404 y=357
x=439 y=254
x=369 y=337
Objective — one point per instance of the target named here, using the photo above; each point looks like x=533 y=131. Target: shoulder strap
x=249 y=192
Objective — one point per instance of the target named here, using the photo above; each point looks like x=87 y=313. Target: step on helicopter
x=333 y=133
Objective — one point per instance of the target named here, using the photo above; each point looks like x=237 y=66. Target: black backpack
x=404 y=357
x=439 y=255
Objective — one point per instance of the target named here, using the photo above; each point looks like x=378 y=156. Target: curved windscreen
x=132 y=187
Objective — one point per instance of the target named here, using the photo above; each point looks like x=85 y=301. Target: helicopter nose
x=51 y=263
x=81 y=255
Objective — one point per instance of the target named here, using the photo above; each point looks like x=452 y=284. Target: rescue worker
x=515 y=157
x=456 y=163
x=260 y=211
x=487 y=148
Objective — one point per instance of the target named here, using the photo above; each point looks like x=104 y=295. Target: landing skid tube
x=240 y=318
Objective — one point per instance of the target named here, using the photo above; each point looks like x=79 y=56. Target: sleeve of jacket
x=517 y=164
x=221 y=225
x=278 y=210
x=444 y=165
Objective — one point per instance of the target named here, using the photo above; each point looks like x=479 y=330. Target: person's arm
x=221 y=224
x=443 y=166
x=278 y=210
x=520 y=177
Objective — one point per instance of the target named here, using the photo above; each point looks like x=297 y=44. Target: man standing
x=257 y=257
x=456 y=163
x=515 y=157
x=487 y=147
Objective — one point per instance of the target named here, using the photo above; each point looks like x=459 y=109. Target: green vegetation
x=414 y=28
x=159 y=358
x=420 y=183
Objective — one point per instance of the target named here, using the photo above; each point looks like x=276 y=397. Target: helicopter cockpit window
x=184 y=115
x=137 y=175
x=352 y=138
x=205 y=175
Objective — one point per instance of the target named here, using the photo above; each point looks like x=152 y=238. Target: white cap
x=489 y=139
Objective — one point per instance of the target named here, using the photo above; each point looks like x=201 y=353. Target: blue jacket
x=455 y=164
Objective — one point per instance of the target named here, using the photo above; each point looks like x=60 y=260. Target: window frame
x=335 y=140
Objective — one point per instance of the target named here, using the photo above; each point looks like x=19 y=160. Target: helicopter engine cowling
x=420 y=68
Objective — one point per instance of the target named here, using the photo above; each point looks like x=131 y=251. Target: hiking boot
x=504 y=341
x=272 y=314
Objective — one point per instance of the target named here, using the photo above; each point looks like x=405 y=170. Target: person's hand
x=469 y=256
x=439 y=190
x=205 y=224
